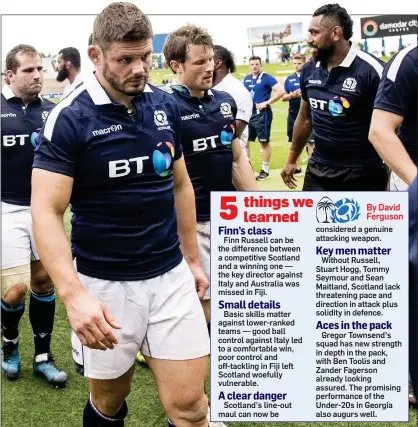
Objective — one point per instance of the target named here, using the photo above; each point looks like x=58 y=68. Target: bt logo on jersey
x=317 y=103
x=10 y=140
x=119 y=168
x=202 y=144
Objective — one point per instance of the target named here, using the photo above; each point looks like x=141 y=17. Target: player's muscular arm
x=186 y=211
x=186 y=223
x=89 y=318
x=288 y=96
x=383 y=136
x=242 y=173
x=278 y=92
x=301 y=132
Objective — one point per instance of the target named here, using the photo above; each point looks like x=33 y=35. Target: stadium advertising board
x=388 y=25
x=275 y=34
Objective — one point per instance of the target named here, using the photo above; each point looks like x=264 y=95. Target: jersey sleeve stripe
x=372 y=61
x=53 y=115
x=397 y=62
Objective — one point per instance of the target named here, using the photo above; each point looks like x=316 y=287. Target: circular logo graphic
x=160 y=118
x=162 y=158
x=33 y=139
x=227 y=134
x=370 y=28
x=350 y=83
x=225 y=108
x=345 y=210
x=337 y=105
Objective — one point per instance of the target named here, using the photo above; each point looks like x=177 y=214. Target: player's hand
x=91 y=320
x=297 y=93
x=201 y=281
x=287 y=175
x=262 y=105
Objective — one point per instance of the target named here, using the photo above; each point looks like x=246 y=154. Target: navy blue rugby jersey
x=292 y=84
x=341 y=104
x=20 y=126
x=208 y=128
x=398 y=94
x=124 y=225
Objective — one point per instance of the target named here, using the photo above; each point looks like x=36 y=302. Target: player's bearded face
x=62 y=70
x=320 y=38
x=324 y=51
x=62 y=74
x=126 y=66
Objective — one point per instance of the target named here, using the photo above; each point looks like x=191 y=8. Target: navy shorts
x=260 y=125
x=321 y=177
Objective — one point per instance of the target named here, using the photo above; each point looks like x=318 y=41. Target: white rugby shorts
x=203 y=244
x=162 y=317
x=17 y=242
x=397 y=184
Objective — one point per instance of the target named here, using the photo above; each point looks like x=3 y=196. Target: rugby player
x=261 y=85
x=212 y=150
x=393 y=131
x=338 y=89
x=292 y=96
x=224 y=80
x=112 y=147
x=23 y=112
x=69 y=67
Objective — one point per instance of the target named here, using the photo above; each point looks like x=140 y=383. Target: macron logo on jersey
x=190 y=116
x=4 y=116
x=315 y=82
x=113 y=128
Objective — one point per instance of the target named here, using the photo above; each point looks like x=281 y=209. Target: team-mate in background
x=69 y=67
x=338 y=89
x=23 y=112
x=211 y=148
x=261 y=85
x=225 y=81
x=292 y=96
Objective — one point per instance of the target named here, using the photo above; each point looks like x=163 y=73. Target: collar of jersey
x=8 y=93
x=348 y=60
x=97 y=93
x=185 y=91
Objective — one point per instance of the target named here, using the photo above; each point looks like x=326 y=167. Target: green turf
x=30 y=402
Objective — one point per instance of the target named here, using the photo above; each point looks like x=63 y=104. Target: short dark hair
x=90 y=42
x=339 y=14
x=71 y=54
x=226 y=57
x=12 y=63
x=177 y=43
x=121 y=22
x=255 y=58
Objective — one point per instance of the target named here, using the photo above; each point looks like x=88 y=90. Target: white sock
x=265 y=166
x=13 y=341
x=41 y=358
